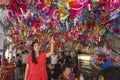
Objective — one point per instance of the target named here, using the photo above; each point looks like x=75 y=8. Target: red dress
x=37 y=71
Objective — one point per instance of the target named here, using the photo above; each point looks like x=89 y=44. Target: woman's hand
x=52 y=44
x=51 y=47
x=52 y=41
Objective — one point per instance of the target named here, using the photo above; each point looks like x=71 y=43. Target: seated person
x=4 y=65
x=67 y=73
x=57 y=69
x=0 y=59
x=112 y=73
x=104 y=64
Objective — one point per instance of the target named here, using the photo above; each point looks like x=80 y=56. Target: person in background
x=104 y=64
x=62 y=56
x=67 y=73
x=57 y=70
x=24 y=57
x=112 y=73
x=4 y=65
x=0 y=60
x=18 y=66
x=47 y=68
x=54 y=59
x=36 y=62
x=8 y=59
x=72 y=54
x=12 y=59
x=68 y=58
x=73 y=58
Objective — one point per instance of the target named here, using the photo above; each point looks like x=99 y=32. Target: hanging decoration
x=80 y=21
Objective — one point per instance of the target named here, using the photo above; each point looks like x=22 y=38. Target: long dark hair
x=34 y=60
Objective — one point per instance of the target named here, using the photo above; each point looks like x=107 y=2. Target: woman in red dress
x=36 y=63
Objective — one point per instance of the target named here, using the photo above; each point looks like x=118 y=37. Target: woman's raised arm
x=51 y=48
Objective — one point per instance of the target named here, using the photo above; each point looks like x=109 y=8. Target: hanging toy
x=63 y=8
x=42 y=6
x=81 y=2
x=104 y=17
x=105 y=2
x=4 y=16
x=13 y=5
x=75 y=21
x=16 y=5
x=51 y=11
x=62 y=27
x=81 y=18
x=116 y=30
x=25 y=33
x=116 y=3
x=44 y=27
x=95 y=2
x=36 y=23
x=114 y=12
x=117 y=22
x=29 y=1
x=48 y=2
x=68 y=1
x=5 y=2
x=62 y=39
x=96 y=29
x=75 y=9
x=21 y=1
x=103 y=32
